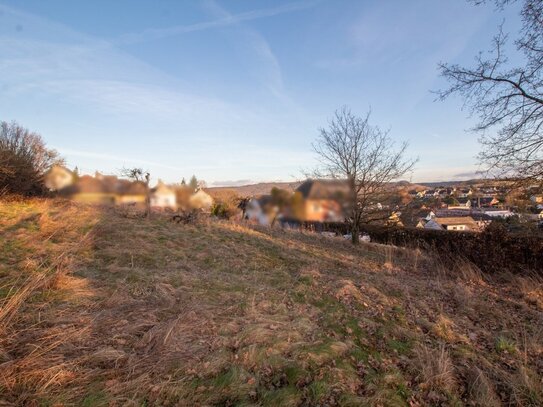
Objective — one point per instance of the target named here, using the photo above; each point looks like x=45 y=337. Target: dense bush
x=492 y=250
x=221 y=210
x=495 y=249
x=226 y=203
x=24 y=159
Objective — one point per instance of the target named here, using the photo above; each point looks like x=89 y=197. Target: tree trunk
x=355 y=232
x=147 y=205
x=356 y=216
x=147 y=196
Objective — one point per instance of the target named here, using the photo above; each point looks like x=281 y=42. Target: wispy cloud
x=273 y=76
x=127 y=160
x=223 y=21
x=140 y=98
x=110 y=157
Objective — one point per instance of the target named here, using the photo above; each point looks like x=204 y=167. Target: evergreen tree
x=193 y=183
x=75 y=174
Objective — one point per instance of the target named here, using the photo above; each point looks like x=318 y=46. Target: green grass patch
x=402 y=347
x=96 y=398
x=286 y=396
x=505 y=345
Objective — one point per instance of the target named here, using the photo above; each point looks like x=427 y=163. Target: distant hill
x=262 y=188
x=265 y=187
x=476 y=182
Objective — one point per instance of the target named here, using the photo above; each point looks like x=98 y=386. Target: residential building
x=58 y=177
x=322 y=200
x=162 y=196
x=463 y=223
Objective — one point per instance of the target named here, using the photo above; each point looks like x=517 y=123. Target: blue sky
x=235 y=91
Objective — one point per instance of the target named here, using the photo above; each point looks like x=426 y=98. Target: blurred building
x=323 y=200
x=58 y=177
x=162 y=196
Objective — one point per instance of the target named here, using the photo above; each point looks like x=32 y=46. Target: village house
x=109 y=190
x=462 y=203
x=431 y=193
x=395 y=219
x=484 y=202
x=322 y=200
x=106 y=190
x=261 y=210
x=421 y=194
x=58 y=177
x=462 y=192
x=129 y=193
x=430 y=215
x=162 y=196
x=424 y=216
x=461 y=223
x=90 y=189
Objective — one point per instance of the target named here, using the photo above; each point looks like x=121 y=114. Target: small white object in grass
x=363 y=237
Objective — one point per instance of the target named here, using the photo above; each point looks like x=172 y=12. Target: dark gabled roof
x=125 y=187
x=86 y=184
x=480 y=216
x=109 y=182
x=483 y=200
x=322 y=189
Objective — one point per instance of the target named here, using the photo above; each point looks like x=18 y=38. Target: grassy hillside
x=102 y=308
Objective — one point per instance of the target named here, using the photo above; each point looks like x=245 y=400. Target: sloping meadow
x=99 y=308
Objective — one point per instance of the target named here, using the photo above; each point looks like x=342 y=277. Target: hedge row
x=492 y=250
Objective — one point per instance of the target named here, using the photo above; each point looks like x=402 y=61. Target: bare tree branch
x=507 y=100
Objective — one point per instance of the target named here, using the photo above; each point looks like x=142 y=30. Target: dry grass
x=436 y=369
x=98 y=308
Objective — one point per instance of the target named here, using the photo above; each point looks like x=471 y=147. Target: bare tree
x=193 y=183
x=353 y=150
x=148 y=195
x=134 y=174
x=242 y=204
x=507 y=99
x=24 y=159
x=140 y=175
